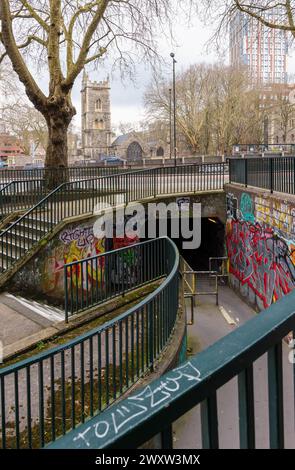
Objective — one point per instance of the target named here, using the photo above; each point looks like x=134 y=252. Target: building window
x=99 y=124
x=134 y=152
x=160 y=152
x=98 y=105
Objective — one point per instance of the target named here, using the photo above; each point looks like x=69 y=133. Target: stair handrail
x=131 y=190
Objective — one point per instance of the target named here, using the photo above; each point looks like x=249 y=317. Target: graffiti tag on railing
x=139 y=405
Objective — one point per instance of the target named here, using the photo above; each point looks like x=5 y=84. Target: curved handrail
x=123 y=350
x=81 y=197
x=107 y=265
x=198 y=382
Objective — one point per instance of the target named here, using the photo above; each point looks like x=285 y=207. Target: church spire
x=85 y=77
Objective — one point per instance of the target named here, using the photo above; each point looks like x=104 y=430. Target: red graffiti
x=260 y=259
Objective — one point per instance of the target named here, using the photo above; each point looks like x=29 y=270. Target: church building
x=96 y=118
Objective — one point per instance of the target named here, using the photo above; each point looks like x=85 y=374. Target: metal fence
x=254 y=149
x=85 y=196
x=95 y=280
x=199 y=283
x=273 y=174
x=220 y=266
x=47 y=395
x=20 y=195
x=197 y=382
x=62 y=174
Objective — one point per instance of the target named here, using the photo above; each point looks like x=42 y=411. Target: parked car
x=33 y=166
x=113 y=160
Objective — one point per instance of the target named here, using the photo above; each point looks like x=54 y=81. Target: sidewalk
x=210 y=325
x=21 y=318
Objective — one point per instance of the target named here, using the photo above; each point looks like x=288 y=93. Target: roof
x=122 y=139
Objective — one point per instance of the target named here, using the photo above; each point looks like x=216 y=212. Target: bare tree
x=281 y=114
x=67 y=35
x=26 y=123
x=270 y=13
x=215 y=107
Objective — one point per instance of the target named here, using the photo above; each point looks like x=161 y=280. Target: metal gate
x=220 y=266
x=198 y=283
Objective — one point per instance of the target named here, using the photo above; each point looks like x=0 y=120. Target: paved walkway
x=20 y=318
x=210 y=325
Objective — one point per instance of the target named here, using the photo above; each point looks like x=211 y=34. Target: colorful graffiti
x=74 y=244
x=276 y=214
x=261 y=260
x=232 y=206
x=127 y=264
x=82 y=236
x=259 y=256
x=247 y=208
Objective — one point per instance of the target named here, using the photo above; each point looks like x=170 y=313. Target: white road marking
x=227 y=317
x=50 y=313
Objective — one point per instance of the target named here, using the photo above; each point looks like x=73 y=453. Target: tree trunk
x=57 y=149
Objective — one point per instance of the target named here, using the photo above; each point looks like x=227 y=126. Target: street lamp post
x=174 y=108
x=170 y=121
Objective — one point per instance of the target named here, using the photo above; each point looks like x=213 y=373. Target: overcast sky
x=191 y=47
x=127 y=98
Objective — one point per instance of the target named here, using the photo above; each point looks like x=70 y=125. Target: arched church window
x=98 y=105
x=160 y=152
x=134 y=152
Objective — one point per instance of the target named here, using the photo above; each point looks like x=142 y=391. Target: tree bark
x=58 y=119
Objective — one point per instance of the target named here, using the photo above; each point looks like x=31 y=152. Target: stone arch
x=134 y=151
x=160 y=152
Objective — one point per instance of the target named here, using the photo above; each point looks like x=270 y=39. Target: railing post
x=151 y=335
x=246 y=409
x=271 y=176
x=209 y=421
x=276 y=397
x=229 y=162
x=246 y=172
x=167 y=438
x=66 y=294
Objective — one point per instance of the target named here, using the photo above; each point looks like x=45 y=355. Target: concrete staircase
x=22 y=235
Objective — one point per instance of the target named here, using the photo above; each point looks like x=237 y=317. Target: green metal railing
x=47 y=395
x=20 y=195
x=92 y=281
x=83 y=197
x=62 y=174
x=273 y=174
x=152 y=411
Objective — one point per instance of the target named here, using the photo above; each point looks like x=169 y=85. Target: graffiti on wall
x=261 y=260
x=232 y=206
x=259 y=256
x=73 y=244
x=83 y=236
x=76 y=243
x=277 y=214
x=247 y=208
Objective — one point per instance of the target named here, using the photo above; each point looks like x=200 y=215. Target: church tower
x=96 y=118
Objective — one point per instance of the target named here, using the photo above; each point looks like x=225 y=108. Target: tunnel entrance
x=212 y=243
